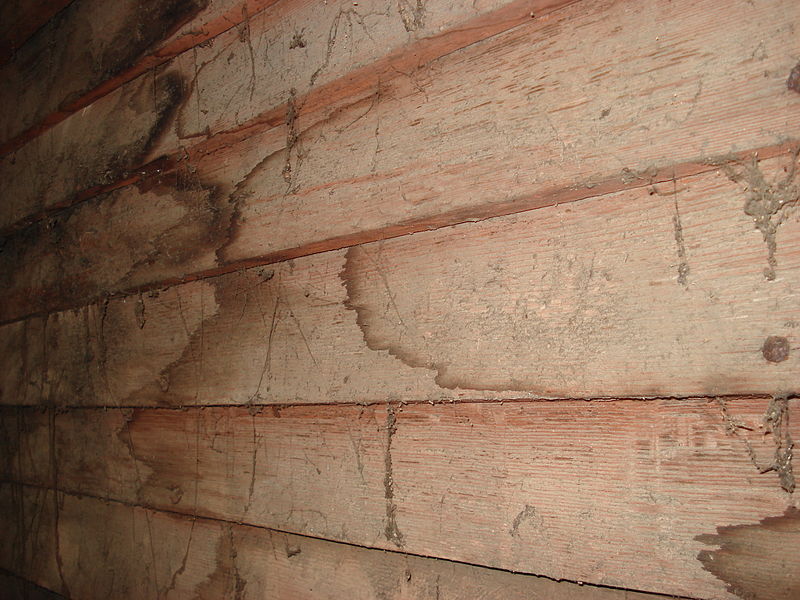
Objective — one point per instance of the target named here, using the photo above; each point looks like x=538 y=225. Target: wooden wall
x=400 y=299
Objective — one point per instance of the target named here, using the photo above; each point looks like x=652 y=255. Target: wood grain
x=92 y=47
x=537 y=487
x=239 y=82
x=462 y=166
x=632 y=294
x=16 y=588
x=202 y=558
x=20 y=19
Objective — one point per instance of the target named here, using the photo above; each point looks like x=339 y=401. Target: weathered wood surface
x=93 y=46
x=254 y=200
x=337 y=49
x=16 y=588
x=119 y=546
x=632 y=294
x=98 y=150
x=20 y=19
x=663 y=495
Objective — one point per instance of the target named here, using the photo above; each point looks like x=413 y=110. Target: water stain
x=757 y=561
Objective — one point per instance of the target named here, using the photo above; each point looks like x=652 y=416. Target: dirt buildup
x=392 y=532
x=775 y=423
x=297 y=41
x=768 y=204
x=793 y=83
x=139 y=311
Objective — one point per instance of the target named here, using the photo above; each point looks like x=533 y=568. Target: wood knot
x=775 y=349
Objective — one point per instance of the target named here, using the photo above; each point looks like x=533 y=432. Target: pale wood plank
x=593 y=298
x=634 y=494
x=201 y=558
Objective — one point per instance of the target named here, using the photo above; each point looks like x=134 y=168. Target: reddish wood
x=586 y=299
x=90 y=152
x=244 y=211
x=537 y=487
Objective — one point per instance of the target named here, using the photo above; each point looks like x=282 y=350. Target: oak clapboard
x=91 y=47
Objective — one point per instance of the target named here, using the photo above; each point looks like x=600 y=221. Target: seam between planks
x=610 y=185
x=397 y=403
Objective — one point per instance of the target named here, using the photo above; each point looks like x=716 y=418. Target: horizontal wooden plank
x=20 y=19
x=16 y=588
x=222 y=86
x=538 y=487
x=98 y=150
x=111 y=548
x=633 y=294
x=67 y=65
x=442 y=152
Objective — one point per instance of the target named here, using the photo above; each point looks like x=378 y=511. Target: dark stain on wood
x=793 y=82
x=194 y=220
x=757 y=561
x=394 y=313
x=775 y=349
x=152 y=23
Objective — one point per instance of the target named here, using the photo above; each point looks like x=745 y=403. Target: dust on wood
x=526 y=514
x=412 y=14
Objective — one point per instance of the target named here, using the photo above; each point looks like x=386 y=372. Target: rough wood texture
x=94 y=46
x=97 y=150
x=119 y=545
x=16 y=588
x=632 y=294
x=335 y=48
x=537 y=487
x=483 y=134
x=227 y=368
x=20 y=19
